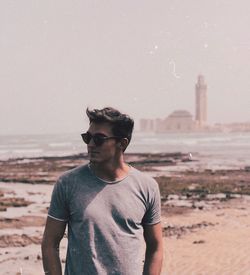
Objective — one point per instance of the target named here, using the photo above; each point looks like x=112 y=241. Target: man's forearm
x=153 y=262
x=51 y=261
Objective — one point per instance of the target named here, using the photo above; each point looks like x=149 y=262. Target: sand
x=221 y=247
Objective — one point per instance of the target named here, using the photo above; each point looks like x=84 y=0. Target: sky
x=143 y=57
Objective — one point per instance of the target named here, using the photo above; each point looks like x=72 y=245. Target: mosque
x=182 y=120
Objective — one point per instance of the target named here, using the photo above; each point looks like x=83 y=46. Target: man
x=108 y=206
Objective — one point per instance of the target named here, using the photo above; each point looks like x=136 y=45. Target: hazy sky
x=58 y=57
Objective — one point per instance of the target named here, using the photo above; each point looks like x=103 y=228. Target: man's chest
x=109 y=205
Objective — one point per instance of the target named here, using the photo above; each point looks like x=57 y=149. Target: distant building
x=147 y=125
x=233 y=127
x=180 y=120
x=201 y=102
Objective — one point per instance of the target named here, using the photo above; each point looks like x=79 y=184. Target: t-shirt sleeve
x=58 y=206
x=153 y=212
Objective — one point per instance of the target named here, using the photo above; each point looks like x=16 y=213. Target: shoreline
x=46 y=169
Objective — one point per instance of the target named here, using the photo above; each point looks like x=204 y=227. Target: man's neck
x=110 y=171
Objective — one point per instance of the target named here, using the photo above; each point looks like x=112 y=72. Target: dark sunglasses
x=98 y=139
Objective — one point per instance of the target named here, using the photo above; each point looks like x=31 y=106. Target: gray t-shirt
x=105 y=221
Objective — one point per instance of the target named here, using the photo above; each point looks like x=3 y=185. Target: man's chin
x=94 y=159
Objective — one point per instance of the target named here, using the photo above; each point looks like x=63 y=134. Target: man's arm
x=154 y=249
x=53 y=233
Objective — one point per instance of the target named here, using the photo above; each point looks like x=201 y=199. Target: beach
x=205 y=212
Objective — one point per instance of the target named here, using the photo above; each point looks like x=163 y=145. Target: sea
x=210 y=150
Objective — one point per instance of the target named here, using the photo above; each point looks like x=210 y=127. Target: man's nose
x=91 y=143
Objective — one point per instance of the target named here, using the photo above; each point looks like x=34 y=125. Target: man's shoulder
x=143 y=177
x=141 y=174
x=75 y=172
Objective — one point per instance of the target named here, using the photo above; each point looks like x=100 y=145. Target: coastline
x=201 y=209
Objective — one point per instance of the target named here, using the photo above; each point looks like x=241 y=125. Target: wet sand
x=205 y=213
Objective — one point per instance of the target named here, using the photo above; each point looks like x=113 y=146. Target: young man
x=108 y=206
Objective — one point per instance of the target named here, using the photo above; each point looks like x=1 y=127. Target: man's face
x=108 y=150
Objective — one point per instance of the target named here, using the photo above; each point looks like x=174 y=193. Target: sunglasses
x=98 y=139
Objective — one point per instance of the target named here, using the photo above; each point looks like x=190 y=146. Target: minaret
x=201 y=101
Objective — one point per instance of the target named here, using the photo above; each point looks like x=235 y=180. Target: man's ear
x=124 y=143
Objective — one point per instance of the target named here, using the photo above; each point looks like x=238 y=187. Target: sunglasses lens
x=86 y=138
x=98 y=140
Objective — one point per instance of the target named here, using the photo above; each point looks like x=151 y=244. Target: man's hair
x=122 y=125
